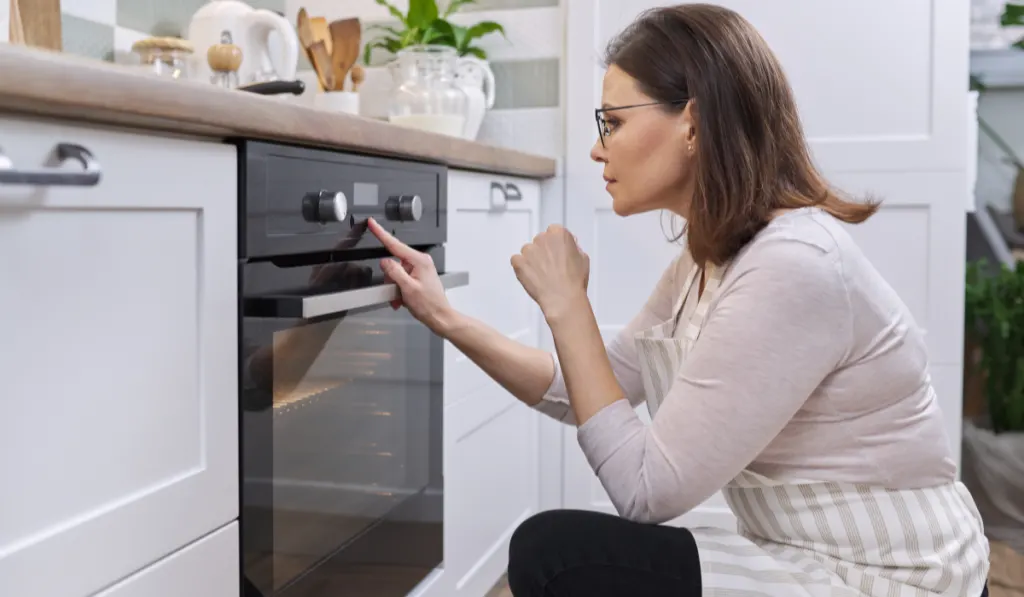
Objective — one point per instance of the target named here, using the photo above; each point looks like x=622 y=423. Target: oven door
x=341 y=418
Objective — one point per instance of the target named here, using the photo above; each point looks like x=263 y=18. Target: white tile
x=537 y=131
x=99 y=11
x=123 y=40
x=532 y=32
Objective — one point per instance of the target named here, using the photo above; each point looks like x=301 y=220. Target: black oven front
x=341 y=395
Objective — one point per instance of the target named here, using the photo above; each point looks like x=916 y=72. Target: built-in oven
x=341 y=395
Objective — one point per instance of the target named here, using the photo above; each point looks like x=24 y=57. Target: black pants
x=575 y=553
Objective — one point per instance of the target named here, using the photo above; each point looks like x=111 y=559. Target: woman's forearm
x=524 y=371
x=582 y=356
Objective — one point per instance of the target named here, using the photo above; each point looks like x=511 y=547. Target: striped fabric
x=660 y=353
x=806 y=538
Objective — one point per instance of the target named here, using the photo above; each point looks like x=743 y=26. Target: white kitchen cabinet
x=206 y=568
x=491 y=439
x=889 y=121
x=118 y=440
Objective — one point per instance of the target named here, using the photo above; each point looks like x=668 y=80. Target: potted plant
x=993 y=444
x=424 y=24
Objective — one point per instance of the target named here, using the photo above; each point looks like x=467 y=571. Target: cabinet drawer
x=494 y=192
x=206 y=568
x=119 y=304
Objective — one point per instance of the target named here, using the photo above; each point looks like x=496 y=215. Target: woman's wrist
x=565 y=307
x=445 y=321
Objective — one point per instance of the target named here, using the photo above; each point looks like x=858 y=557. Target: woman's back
x=875 y=419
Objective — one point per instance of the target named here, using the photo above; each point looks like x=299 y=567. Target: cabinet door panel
x=119 y=438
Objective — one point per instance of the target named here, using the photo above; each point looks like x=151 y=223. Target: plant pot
x=993 y=470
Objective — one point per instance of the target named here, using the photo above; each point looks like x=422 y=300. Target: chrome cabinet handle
x=499 y=196
x=512 y=192
x=88 y=177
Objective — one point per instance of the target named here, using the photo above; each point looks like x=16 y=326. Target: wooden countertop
x=45 y=83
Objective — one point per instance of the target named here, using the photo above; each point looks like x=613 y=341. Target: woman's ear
x=688 y=127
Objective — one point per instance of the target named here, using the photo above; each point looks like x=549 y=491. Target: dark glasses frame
x=602 y=125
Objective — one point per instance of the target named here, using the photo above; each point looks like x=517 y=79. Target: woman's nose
x=597 y=152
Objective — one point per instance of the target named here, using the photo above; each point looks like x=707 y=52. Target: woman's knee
x=542 y=545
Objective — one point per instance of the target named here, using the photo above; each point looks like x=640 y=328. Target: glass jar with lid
x=164 y=56
x=425 y=94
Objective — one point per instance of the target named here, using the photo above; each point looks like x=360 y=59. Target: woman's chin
x=620 y=206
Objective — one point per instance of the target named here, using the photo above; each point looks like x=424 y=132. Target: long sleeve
x=622 y=348
x=779 y=326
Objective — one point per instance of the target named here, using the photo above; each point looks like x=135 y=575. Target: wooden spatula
x=345 y=36
x=321 y=60
x=322 y=32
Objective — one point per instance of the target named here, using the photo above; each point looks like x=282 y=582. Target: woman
x=777 y=364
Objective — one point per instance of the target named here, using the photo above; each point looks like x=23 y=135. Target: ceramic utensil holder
x=338 y=101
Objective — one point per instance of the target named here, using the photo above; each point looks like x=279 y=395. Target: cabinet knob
x=325 y=206
x=404 y=208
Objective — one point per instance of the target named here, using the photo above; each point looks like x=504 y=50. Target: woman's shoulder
x=804 y=238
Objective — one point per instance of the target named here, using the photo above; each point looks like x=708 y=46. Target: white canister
x=337 y=101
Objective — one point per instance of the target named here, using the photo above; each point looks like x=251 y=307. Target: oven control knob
x=325 y=206
x=404 y=208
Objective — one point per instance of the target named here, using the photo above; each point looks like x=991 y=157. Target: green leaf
x=459 y=36
x=411 y=37
x=479 y=53
x=454 y=6
x=483 y=28
x=379 y=27
x=440 y=32
x=421 y=13
x=1013 y=14
x=393 y=10
x=389 y=44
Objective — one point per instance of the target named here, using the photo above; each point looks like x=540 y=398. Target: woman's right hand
x=417 y=280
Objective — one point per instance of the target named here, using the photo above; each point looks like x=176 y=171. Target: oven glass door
x=341 y=407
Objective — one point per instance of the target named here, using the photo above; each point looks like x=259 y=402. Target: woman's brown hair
x=752 y=158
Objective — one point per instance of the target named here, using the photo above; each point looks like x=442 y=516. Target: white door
x=491 y=456
x=882 y=90
x=118 y=440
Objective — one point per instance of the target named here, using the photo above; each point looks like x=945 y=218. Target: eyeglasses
x=602 y=124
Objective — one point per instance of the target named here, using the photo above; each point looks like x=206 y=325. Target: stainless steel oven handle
x=338 y=302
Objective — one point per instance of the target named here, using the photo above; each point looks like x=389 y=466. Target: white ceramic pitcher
x=476 y=78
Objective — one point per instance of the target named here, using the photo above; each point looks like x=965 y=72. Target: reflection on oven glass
x=350 y=402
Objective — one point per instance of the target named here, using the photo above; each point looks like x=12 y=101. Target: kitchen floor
x=501 y=589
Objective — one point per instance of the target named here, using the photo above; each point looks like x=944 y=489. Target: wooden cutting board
x=36 y=23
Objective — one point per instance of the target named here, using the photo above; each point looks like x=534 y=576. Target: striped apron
x=809 y=538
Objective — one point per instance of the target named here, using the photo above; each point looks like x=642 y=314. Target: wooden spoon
x=358 y=75
x=345 y=36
